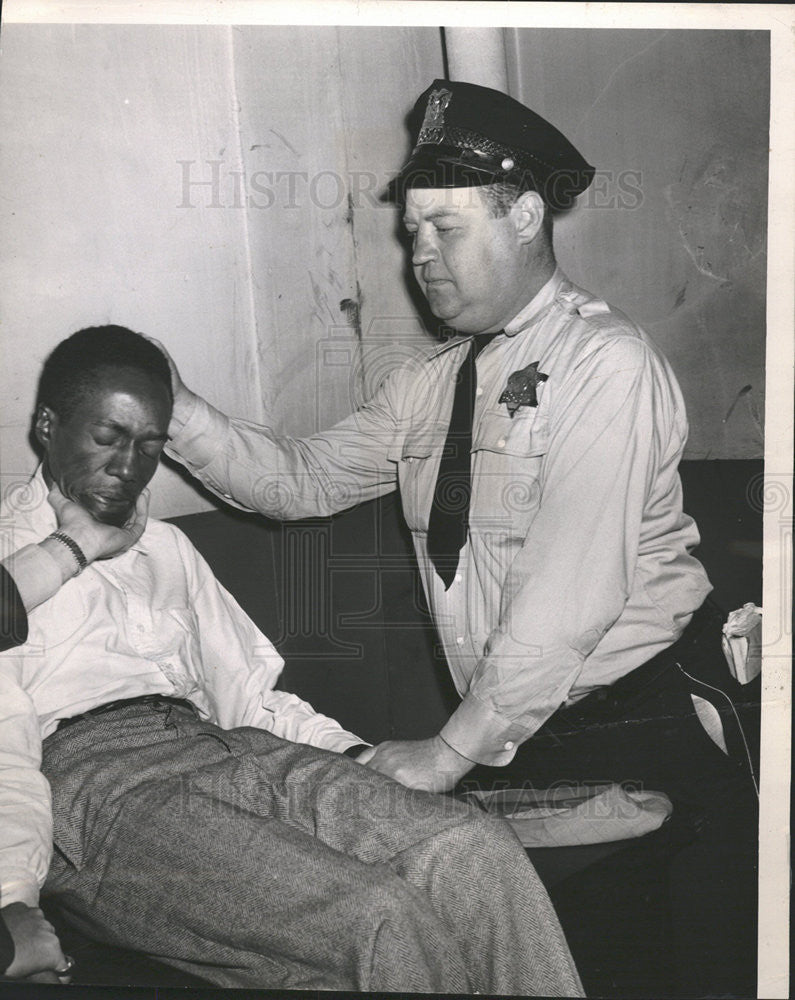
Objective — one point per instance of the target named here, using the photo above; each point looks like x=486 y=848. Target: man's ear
x=527 y=213
x=46 y=421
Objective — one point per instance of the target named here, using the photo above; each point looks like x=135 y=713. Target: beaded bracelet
x=74 y=548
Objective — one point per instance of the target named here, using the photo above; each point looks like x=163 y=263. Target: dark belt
x=112 y=706
x=704 y=626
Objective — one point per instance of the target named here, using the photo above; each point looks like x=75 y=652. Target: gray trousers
x=253 y=861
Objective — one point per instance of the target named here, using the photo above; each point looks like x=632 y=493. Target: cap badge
x=433 y=123
x=521 y=388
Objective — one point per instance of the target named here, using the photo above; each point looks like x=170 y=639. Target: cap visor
x=434 y=169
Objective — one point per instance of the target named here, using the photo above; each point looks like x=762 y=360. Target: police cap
x=466 y=135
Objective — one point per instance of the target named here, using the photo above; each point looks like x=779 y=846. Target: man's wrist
x=63 y=556
x=185 y=403
x=483 y=735
x=452 y=753
x=87 y=538
x=74 y=549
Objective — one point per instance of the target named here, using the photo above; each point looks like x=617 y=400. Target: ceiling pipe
x=476 y=55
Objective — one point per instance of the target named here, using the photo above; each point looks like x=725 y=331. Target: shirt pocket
x=524 y=435
x=177 y=651
x=508 y=457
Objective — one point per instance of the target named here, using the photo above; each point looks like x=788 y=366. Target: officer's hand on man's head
x=98 y=540
x=182 y=394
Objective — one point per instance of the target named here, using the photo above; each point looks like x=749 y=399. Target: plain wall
x=94 y=120
x=673 y=230
x=216 y=187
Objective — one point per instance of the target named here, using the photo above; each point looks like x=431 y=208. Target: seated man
x=196 y=813
x=28 y=944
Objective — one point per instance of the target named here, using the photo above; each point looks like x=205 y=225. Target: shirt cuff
x=483 y=735
x=197 y=432
x=339 y=741
x=21 y=889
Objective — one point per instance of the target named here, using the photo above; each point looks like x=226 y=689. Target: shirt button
x=510 y=745
x=457 y=578
x=460 y=640
x=410 y=459
x=501 y=443
x=479 y=391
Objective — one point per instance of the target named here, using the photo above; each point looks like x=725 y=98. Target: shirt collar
x=539 y=303
x=29 y=505
x=448 y=345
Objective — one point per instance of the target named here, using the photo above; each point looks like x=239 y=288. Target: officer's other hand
x=178 y=387
x=98 y=540
x=428 y=765
x=37 y=951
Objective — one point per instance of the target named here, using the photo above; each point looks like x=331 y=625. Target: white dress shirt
x=577 y=568
x=153 y=620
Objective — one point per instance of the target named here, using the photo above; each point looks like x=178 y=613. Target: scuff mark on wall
x=747 y=393
x=320 y=300
x=285 y=142
x=615 y=72
x=745 y=389
x=715 y=213
x=698 y=255
x=353 y=312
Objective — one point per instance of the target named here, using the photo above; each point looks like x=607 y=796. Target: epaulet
x=595 y=307
x=587 y=306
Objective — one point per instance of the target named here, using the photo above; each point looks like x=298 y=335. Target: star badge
x=521 y=388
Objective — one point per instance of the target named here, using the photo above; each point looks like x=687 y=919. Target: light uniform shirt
x=577 y=566
x=153 y=620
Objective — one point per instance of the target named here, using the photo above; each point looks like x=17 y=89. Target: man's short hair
x=76 y=365
x=502 y=194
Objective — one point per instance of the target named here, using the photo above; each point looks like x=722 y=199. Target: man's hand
x=429 y=765
x=182 y=395
x=36 y=946
x=97 y=540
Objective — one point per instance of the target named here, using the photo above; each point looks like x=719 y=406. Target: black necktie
x=449 y=518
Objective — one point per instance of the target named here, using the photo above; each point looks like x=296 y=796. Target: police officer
x=536 y=453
